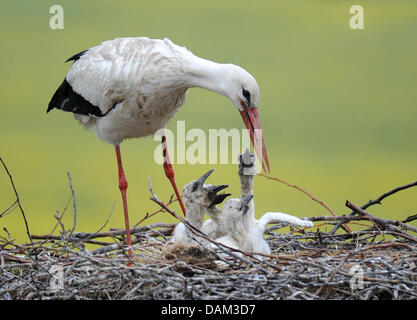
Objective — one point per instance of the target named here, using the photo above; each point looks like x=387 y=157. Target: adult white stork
x=131 y=87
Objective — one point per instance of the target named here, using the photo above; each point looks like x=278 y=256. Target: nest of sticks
x=378 y=260
x=303 y=265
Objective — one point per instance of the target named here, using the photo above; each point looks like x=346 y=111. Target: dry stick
x=9 y=209
x=102 y=227
x=56 y=225
x=83 y=236
x=305 y=192
x=75 y=236
x=387 y=194
x=377 y=201
x=382 y=222
x=111 y=247
x=354 y=235
x=148 y=215
x=74 y=204
x=8 y=234
x=357 y=251
x=410 y=218
x=348 y=218
x=334 y=273
x=58 y=217
x=18 y=200
x=367 y=216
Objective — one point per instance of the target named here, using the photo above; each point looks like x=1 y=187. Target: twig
x=387 y=194
x=74 y=204
x=410 y=218
x=87 y=239
x=56 y=224
x=84 y=236
x=377 y=201
x=148 y=215
x=385 y=224
x=305 y=192
x=18 y=200
x=9 y=209
x=8 y=234
x=58 y=217
x=334 y=272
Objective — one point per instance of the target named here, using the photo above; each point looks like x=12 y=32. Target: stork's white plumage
x=131 y=87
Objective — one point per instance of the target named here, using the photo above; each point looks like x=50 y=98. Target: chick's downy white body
x=197 y=197
x=242 y=230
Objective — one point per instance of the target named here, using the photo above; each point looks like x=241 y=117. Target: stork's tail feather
x=66 y=99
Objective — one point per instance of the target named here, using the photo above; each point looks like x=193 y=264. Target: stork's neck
x=214 y=213
x=207 y=74
x=246 y=185
x=246 y=189
x=195 y=215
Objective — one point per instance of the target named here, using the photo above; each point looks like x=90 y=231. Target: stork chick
x=217 y=226
x=197 y=198
x=242 y=230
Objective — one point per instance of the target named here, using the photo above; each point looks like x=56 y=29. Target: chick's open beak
x=200 y=181
x=217 y=198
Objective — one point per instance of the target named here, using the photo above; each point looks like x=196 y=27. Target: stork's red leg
x=169 y=172
x=123 y=188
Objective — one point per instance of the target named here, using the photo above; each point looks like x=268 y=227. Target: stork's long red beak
x=252 y=122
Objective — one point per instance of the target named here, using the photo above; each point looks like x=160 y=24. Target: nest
x=303 y=265
x=377 y=260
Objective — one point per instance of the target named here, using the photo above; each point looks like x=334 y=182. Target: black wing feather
x=77 y=56
x=66 y=99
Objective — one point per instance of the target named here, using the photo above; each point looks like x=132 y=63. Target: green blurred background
x=338 y=106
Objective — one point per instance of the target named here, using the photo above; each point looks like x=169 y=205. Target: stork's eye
x=246 y=94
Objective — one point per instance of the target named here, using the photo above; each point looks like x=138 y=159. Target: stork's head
x=203 y=195
x=237 y=207
x=234 y=213
x=243 y=91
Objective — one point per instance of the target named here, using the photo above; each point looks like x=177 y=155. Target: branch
x=387 y=194
x=18 y=200
x=384 y=223
x=377 y=201
x=410 y=218
x=74 y=204
x=305 y=192
x=148 y=215
x=9 y=209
